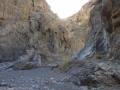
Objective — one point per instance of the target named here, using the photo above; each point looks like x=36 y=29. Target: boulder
x=28 y=61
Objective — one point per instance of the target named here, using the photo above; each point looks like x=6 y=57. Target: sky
x=66 y=8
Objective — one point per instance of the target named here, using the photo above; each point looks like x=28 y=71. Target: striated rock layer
x=104 y=35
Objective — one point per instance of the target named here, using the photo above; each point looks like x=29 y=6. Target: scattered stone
x=104 y=66
x=33 y=86
x=12 y=80
x=52 y=65
x=52 y=78
x=46 y=88
x=46 y=82
x=83 y=88
x=3 y=84
x=10 y=89
x=52 y=89
x=24 y=66
x=28 y=61
x=6 y=65
x=94 y=89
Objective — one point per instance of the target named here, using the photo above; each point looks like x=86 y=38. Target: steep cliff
x=26 y=24
x=15 y=31
x=103 y=39
x=29 y=24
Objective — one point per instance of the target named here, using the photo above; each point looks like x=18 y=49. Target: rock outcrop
x=31 y=24
x=15 y=29
x=103 y=39
x=95 y=74
x=27 y=24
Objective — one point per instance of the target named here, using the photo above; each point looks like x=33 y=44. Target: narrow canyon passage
x=59 y=45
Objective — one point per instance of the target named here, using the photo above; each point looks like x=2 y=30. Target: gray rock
x=104 y=66
x=83 y=88
x=3 y=84
x=6 y=65
x=53 y=65
x=24 y=66
x=28 y=61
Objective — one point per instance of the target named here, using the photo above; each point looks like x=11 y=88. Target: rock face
x=95 y=74
x=26 y=24
x=28 y=61
x=15 y=29
x=82 y=17
x=103 y=39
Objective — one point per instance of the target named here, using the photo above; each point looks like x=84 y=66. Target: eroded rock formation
x=37 y=27
x=24 y=26
x=103 y=39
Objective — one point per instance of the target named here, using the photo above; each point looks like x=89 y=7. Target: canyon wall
x=103 y=39
x=29 y=24
x=26 y=24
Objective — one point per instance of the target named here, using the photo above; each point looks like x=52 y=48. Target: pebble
x=52 y=89
x=83 y=88
x=104 y=66
x=93 y=88
x=21 y=77
x=46 y=82
x=10 y=89
x=3 y=83
x=51 y=78
x=12 y=80
x=35 y=86
x=46 y=88
x=53 y=65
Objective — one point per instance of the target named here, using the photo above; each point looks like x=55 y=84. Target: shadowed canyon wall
x=104 y=35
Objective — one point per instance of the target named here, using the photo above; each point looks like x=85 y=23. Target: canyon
x=81 y=52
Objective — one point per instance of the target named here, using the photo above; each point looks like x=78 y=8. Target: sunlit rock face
x=83 y=16
x=79 y=23
x=103 y=39
x=66 y=8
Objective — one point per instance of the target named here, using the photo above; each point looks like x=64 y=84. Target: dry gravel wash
x=45 y=78
x=35 y=79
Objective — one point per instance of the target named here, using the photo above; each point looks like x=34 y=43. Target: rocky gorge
x=40 y=51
